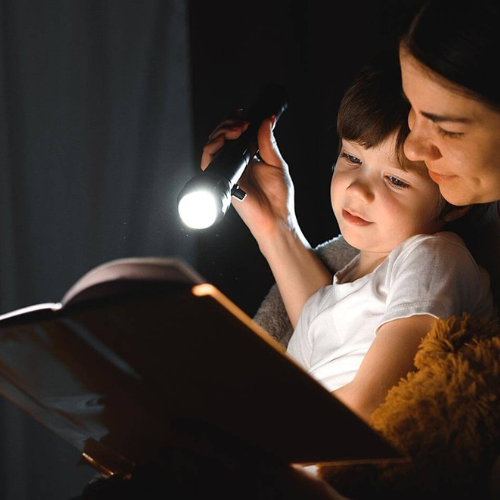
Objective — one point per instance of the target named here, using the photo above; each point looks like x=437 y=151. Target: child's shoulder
x=443 y=239
x=441 y=246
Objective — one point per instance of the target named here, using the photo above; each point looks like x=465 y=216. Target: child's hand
x=268 y=205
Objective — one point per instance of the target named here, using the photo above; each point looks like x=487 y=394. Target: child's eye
x=397 y=183
x=351 y=159
x=452 y=135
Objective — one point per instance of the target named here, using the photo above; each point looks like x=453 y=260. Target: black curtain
x=105 y=106
x=95 y=143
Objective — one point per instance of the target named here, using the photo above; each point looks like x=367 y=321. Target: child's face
x=377 y=204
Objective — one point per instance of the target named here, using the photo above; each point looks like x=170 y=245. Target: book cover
x=142 y=354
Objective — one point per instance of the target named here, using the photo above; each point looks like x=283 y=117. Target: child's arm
x=269 y=212
x=388 y=360
x=298 y=271
x=434 y=277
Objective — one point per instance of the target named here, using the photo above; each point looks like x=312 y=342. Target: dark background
x=104 y=110
x=313 y=49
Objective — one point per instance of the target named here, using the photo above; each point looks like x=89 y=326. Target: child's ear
x=456 y=212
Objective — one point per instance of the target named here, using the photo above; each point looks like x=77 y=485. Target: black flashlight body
x=232 y=159
x=222 y=174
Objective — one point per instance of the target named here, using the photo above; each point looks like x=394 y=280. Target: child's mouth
x=354 y=219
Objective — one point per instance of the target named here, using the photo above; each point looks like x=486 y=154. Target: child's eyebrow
x=403 y=169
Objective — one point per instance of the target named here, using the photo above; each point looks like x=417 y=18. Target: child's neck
x=367 y=262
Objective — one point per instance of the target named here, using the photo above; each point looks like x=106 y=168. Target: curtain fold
x=95 y=144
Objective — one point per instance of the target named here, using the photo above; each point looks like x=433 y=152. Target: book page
x=47 y=306
x=159 y=269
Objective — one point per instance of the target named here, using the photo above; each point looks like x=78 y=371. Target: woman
x=446 y=59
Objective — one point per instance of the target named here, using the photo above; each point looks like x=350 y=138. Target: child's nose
x=360 y=189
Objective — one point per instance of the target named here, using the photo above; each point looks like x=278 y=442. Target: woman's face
x=456 y=136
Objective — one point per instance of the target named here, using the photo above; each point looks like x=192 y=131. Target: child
x=358 y=335
x=407 y=272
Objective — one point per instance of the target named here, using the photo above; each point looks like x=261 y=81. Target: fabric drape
x=95 y=143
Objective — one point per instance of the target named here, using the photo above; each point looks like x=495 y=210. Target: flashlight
x=205 y=199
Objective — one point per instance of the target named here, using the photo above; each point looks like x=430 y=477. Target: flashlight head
x=204 y=200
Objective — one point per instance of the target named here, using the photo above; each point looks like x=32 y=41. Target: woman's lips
x=354 y=219
x=440 y=178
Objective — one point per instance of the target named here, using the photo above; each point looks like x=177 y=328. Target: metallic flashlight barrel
x=222 y=174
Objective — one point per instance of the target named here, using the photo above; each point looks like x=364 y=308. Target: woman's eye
x=452 y=135
x=351 y=159
x=398 y=183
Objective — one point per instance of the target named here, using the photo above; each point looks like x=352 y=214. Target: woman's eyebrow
x=444 y=118
x=438 y=118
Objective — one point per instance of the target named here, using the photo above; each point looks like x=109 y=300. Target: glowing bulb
x=199 y=209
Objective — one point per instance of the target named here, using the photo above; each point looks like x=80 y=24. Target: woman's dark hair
x=459 y=41
x=373 y=108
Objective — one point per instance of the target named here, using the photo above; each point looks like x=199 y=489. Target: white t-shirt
x=427 y=274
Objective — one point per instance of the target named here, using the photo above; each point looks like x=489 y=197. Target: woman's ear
x=456 y=212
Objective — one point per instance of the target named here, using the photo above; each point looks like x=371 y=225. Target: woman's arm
x=389 y=359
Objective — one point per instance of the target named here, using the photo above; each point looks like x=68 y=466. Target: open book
x=142 y=354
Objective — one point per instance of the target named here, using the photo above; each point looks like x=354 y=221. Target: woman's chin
x=460 y=193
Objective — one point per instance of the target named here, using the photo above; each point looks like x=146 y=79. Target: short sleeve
x=436 y=275
x=300 y=346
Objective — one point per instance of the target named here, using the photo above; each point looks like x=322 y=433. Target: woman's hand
x=268 y=205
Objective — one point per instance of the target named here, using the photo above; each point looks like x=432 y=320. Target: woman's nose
x=419 y=145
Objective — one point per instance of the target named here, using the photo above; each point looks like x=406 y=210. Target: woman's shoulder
x=486 y=214
x=481 y=219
